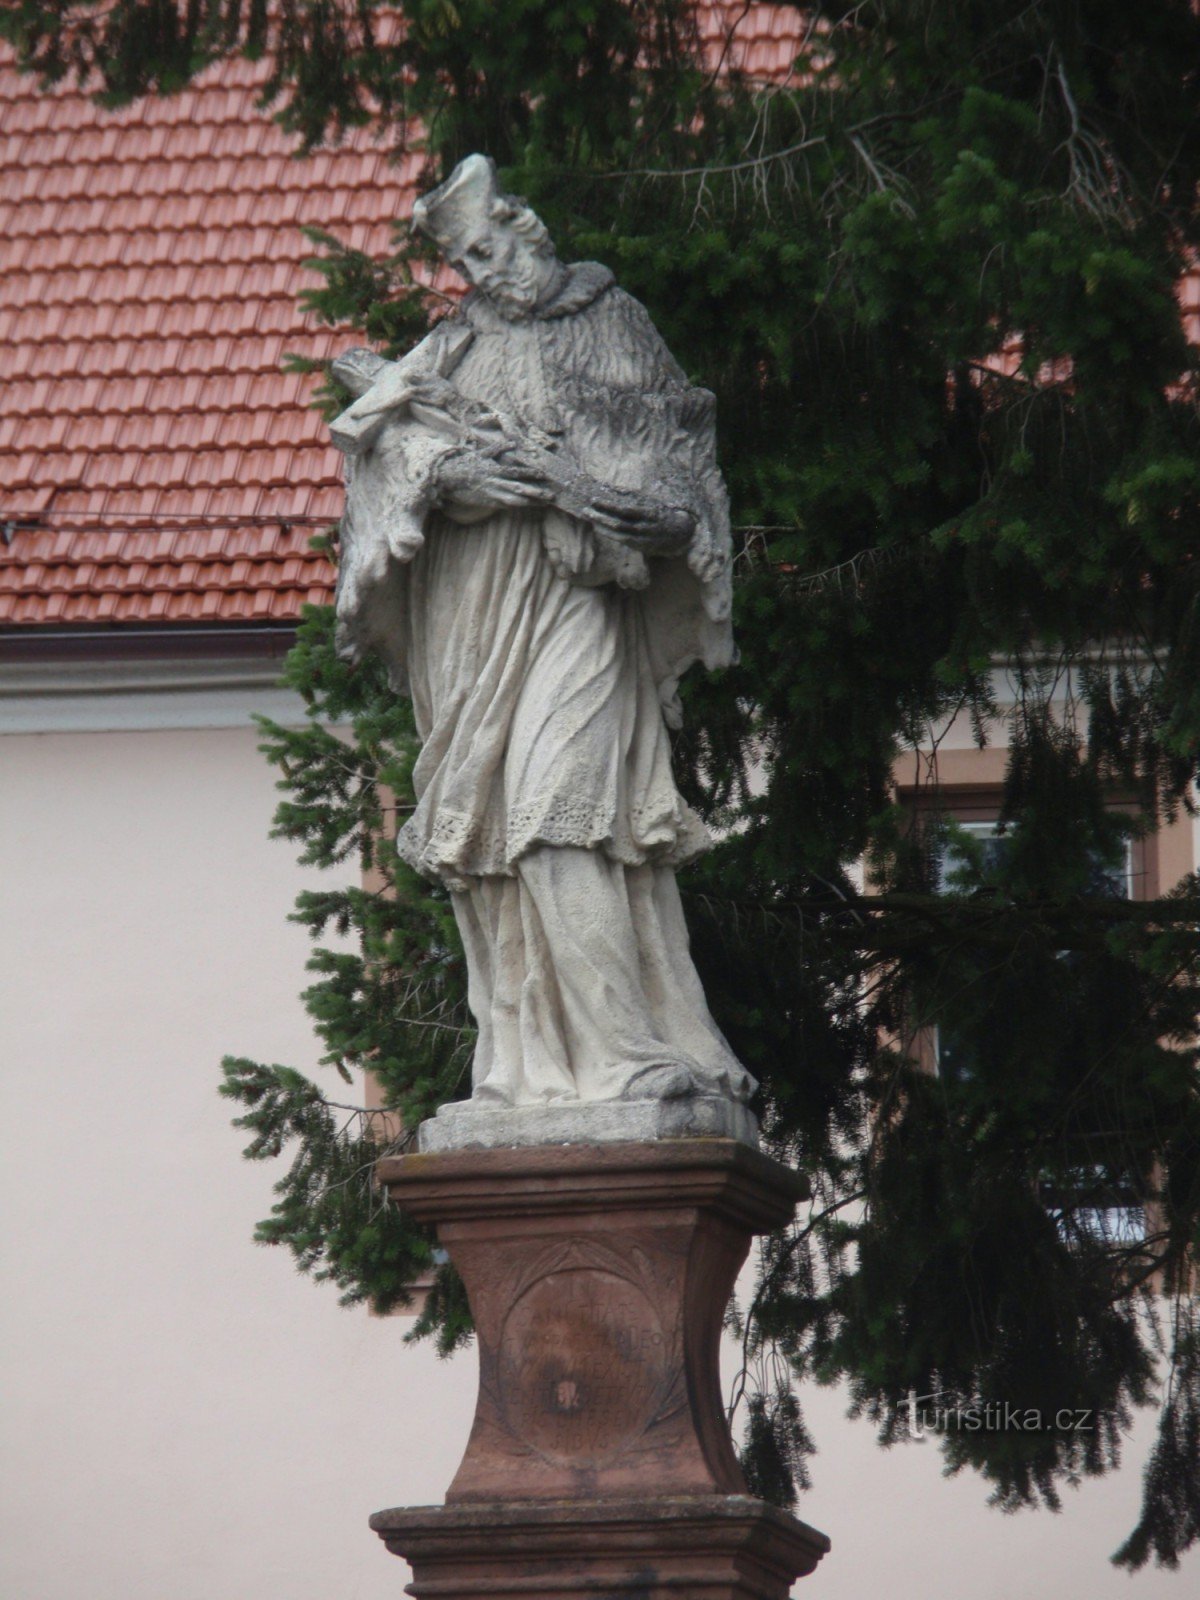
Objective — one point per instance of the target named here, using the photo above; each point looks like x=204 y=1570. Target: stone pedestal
x=719 y=1547
x=600 y=1461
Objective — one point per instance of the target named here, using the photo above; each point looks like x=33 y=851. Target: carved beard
x=522 y=286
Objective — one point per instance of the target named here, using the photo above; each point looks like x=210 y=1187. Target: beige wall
x=186 y=1418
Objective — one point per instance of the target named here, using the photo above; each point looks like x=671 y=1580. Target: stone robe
x=543 y=658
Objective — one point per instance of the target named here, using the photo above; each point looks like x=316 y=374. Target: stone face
x=600 y=1459
x=466 y=1125
x=536 y=541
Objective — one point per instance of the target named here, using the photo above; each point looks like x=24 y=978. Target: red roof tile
x=149 y=279
x=757 y=41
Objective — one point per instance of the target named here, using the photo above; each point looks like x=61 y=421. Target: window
x=1108 y=878
x=1091 y=1204
x=1095 y=1206
x=949 y=1057
x=992 y=840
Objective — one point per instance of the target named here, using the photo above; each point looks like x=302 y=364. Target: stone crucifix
x=536 y=540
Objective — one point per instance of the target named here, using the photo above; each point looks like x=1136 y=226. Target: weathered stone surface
x=600 y=1461
x=716 y=1547
x=537 y=543
x=467 y=1125
x=598 y=1277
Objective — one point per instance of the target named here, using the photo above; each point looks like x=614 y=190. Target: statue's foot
x=669 y=1080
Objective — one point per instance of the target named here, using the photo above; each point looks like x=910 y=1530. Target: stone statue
x=536 y=541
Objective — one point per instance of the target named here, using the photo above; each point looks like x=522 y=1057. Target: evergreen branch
x=716 y=170
x=769 y=1285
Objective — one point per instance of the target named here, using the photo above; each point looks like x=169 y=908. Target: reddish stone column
x=600 y=1461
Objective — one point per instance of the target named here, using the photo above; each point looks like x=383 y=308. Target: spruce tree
x=931 y=278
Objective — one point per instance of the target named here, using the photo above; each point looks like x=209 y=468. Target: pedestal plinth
x=600 y=1460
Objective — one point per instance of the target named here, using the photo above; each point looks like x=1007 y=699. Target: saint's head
x=493 y=239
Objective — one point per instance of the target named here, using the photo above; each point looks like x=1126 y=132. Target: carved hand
x=470 y=481
x=642 y=521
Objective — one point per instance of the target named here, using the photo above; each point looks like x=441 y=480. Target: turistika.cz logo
x=942 y=1413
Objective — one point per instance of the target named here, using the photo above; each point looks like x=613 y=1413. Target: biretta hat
x=461 y=205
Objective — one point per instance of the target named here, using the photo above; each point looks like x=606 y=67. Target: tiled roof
x=243 y=573
x=754 y=40
x=156 y=464
x=164 y=467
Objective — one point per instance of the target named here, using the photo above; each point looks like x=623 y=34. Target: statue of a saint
x=536 y=540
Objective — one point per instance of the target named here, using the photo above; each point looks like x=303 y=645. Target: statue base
x=466 y=1125
x=600 y=1460
x=726 y=1547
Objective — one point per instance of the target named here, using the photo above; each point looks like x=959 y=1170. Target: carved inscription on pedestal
x=584 y=1365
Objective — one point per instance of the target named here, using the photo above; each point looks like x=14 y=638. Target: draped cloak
x=543 y=662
